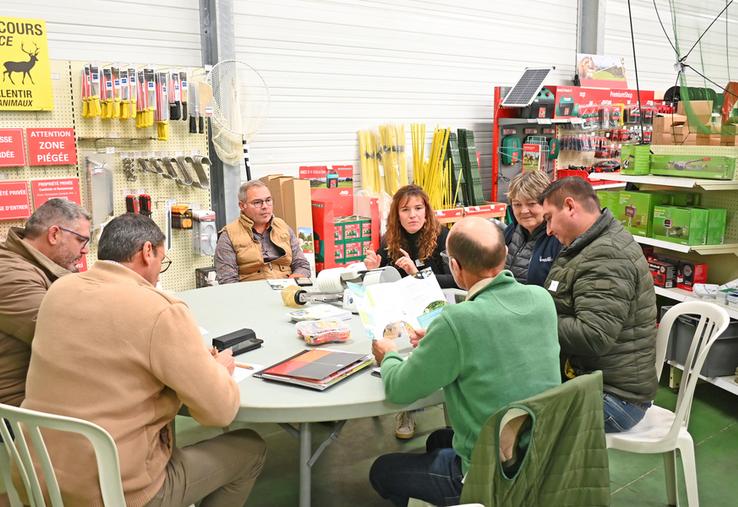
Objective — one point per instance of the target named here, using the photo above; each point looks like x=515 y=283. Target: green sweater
x=499 y=346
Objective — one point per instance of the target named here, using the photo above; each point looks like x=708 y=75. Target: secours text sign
x=52 y=146
x=24 y=62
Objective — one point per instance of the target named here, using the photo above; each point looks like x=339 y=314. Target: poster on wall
x=25 y=65
x=601 y=71
x=14 y=203
x=12 y=153
x=62 y=188
x=51 y=146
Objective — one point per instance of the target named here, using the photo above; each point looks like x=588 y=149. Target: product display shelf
x=728 y=383
x=685 y=295
x=725 y=248
x=540 y=121
x=667 y=181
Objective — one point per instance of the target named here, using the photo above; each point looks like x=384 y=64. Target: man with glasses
x=258 y=245
x=112 y=349
x=50 y=245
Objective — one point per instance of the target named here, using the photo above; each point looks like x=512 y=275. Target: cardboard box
x=708 y=139
x=686 y=226
x=690 y=273
x=663 y=273
x=609 y=199
x=700 y=108
x=693 y=166
x=298 y=215
x=636 y=210
x=679 y=138
x=684 y=199
x=635 y=159
x=662 y=123
x=716 y=222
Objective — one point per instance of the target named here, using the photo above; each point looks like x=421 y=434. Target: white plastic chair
x=662 y=431
x=18 y=451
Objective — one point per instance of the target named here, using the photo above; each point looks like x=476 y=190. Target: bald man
x=498 y=346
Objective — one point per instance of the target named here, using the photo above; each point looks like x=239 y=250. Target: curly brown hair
x=428 y=234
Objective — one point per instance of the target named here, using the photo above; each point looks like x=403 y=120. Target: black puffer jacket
x=606 y=303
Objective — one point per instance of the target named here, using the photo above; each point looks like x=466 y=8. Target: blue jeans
x=434 y=476
x=621 y=415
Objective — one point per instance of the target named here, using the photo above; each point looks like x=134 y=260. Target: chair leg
x=690 y=473
x=670 y=472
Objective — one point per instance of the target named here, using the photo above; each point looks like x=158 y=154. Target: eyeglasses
x=85 y=239
x=165 y=263
x=260 y=203
x=447 y=258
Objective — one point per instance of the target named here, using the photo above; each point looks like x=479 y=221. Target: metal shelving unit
x=667 y=181
x=728 y=383
x=725 y=248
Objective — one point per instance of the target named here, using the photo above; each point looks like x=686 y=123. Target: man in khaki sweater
x=50 y=245
x=112 y=349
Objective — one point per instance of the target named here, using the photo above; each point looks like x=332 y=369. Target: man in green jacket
x=605 y=299
x=498 y=346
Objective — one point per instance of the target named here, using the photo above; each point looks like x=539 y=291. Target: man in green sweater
x=498 y=346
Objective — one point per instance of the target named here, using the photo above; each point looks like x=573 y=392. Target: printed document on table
x=393 y=310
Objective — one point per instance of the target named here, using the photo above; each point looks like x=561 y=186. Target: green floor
x=340 y=476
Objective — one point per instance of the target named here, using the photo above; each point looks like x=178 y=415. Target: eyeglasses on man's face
x=165 y=263
x=84 y=240
x=260 y=203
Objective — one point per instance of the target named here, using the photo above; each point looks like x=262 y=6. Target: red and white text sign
x=14 y=203
x=63 y=188
x=12 y=153
x=53 y=146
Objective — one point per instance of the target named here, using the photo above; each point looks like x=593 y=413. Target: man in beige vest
x=52 y=242
x=258 y=245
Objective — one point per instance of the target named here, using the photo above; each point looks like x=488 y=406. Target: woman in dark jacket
x=530 y=251
x=414 y=238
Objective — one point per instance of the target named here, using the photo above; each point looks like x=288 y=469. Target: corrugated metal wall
x=165 y=32
x=334 y=68
x=656 y=57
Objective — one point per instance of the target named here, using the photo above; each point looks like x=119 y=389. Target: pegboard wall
x=61 y=116
x=108 y=142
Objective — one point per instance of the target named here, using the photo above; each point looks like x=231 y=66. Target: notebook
x=316 y=369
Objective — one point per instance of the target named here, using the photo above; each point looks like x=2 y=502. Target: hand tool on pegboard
x=175 y=97
x=183 y=86
x=132 y=204
x=144 y=204
x=162 y=106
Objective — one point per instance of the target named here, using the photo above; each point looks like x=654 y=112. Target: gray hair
x=54 y=212
x=245 y=187
x=125 y=235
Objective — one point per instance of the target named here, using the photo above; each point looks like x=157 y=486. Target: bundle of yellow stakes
x=369 y=162
x=434 y=174
x=392 y=139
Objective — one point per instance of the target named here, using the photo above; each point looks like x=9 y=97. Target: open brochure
x=393 y=310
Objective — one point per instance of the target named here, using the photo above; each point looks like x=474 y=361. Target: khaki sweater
x=111 y=349
x=26 y=276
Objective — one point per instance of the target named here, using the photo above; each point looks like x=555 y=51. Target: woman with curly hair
x=414 y=238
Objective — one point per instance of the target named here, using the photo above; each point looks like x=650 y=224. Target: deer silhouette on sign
x=24 y=67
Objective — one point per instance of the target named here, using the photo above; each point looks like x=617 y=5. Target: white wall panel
x=656 y=57
x=158 y=31
x=335 y=67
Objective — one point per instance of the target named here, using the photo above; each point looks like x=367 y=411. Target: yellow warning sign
x=24 y=62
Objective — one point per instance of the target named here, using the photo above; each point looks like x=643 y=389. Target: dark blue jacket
x=545 y=251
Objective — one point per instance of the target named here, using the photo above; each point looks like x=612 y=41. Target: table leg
x=305 y=455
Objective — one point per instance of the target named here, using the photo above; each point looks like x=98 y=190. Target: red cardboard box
x=690 y=273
